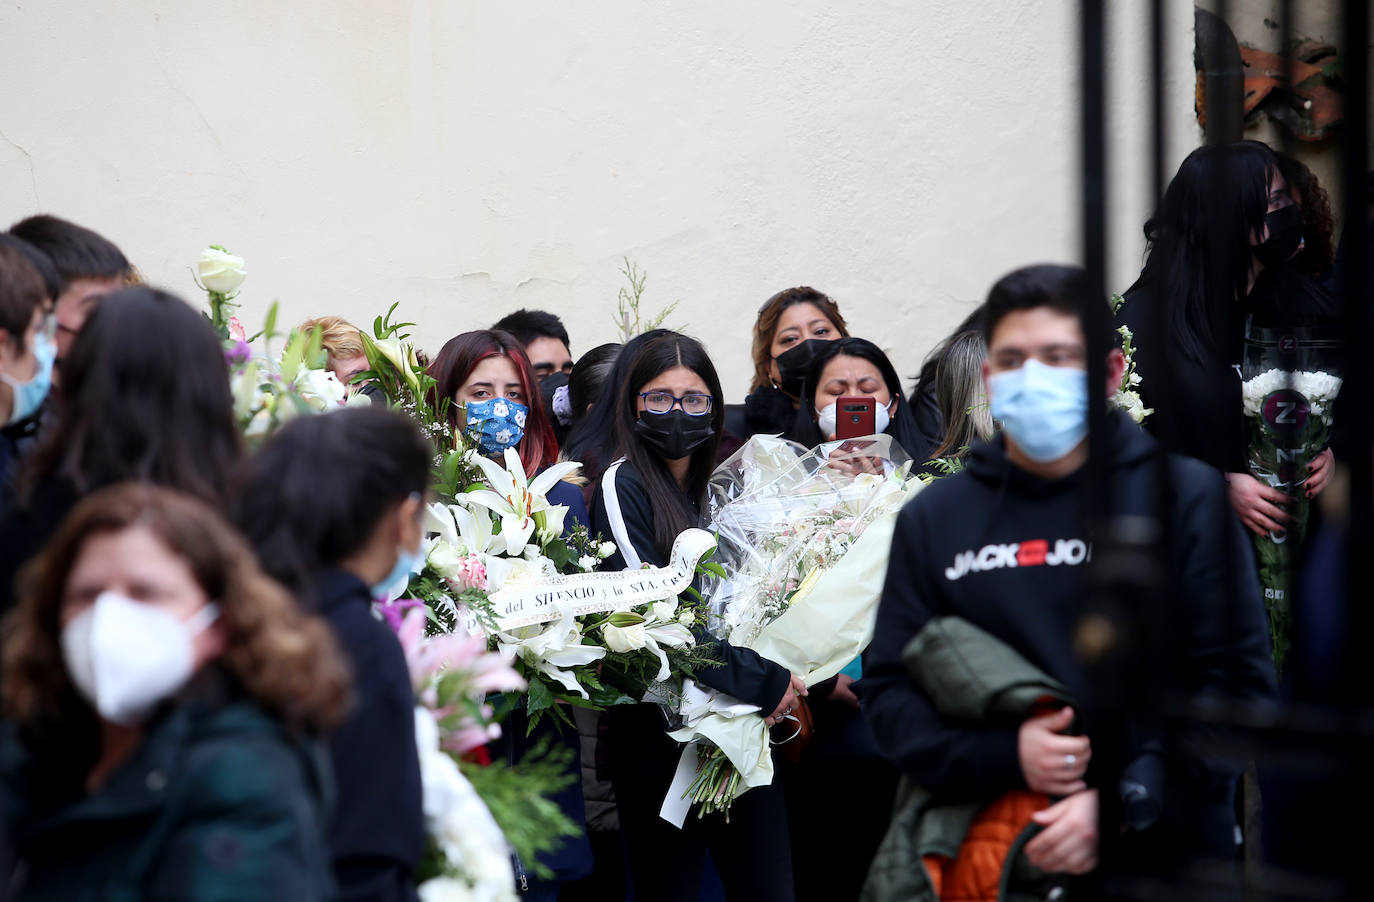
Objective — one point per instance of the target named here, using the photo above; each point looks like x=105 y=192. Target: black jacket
x=377 y=834
x=1004 y=550
x=1197 y=403
x=622 y=513
x=767 y=411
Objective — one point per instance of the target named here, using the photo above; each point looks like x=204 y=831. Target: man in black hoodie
x=1003 y=545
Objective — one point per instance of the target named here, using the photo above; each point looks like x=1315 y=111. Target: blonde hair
x=339 y=337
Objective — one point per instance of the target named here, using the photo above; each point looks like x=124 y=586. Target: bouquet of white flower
x=803 y=544
x=1290 y=416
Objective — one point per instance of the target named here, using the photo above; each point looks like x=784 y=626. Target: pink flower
x=485 y=671
x=471 y=574
x=236 y=331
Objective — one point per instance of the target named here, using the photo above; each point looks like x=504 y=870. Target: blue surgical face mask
x=1044 y=409
x=497 y=424
x=393 y=585
x=29 y=396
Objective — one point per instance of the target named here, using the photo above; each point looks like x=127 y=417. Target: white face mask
x=124 y=657
x=825 y=419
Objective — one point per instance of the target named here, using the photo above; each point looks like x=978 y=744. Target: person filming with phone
x=852 y=391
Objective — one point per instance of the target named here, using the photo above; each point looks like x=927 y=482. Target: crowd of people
x=199 y=703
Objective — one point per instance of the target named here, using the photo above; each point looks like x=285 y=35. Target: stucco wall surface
x=468 y=158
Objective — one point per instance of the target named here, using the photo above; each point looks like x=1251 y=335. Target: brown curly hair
x=286 y=660
x=1318 y=223
x=767 y=324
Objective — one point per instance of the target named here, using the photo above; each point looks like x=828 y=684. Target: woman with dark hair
x=333 y=505
x=494 y=400
x=493 y=396
x=145 y=398
x=1226 y=216
x=667 y=424
x=591 y=374
x=592 y=440
x=164 y=698
x=791 y=328
x=853 y=366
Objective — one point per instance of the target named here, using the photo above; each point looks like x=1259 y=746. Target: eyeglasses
x=694 y=405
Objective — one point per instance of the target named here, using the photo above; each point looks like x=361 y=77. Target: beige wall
x=470 y=158
x=1255 y=24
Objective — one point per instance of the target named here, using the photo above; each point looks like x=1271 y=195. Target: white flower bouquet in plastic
x=803 y=539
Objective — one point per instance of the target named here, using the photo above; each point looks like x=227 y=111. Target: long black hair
x=902 y=428
x=673 y=511
x=145 y=398
x=314 y=493
x=1200 y=243
x=592 y=439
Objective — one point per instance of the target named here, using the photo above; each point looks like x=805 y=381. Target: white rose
x=606 y=549
x=587 y=563
x=623 y=638
x=685 y=618
x=445 y=560
x=664 y=611
x=220 y=271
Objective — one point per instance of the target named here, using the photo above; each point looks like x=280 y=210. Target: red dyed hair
x=455 y=363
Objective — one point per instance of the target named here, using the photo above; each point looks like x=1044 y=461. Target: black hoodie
x=1004 y=549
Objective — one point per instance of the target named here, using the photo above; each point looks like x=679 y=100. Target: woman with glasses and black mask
x=792 y=326
x=668 y=421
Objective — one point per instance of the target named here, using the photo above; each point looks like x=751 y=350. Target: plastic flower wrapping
x=803 y=541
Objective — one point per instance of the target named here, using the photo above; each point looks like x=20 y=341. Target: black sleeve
x=957 y=761
x=622 y=513
x=1228 y=649
x=377 y=831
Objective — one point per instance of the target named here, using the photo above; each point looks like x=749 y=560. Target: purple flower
x=394 y=611
x=239 y=353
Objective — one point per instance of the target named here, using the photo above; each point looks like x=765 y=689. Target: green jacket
x=971 y=676
x=217 y=803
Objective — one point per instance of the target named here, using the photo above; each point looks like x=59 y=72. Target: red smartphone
x=853 y=417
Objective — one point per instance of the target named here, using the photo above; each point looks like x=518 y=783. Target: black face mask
x=794 y=362
x=675 y=434
x=1285 y=236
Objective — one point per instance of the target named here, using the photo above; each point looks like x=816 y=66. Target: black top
x=27 y=526
x=621 y=512
x=768 y=411
x=377 y=833
x=1005 y=550
x=1197 y=403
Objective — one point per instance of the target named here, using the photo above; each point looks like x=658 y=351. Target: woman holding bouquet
x=668 y=423
x=853 y=366
x=494 y=400
x=842 y=778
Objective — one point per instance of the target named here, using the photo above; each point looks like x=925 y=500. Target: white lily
x=516 y=499
x=467 y=530
x=553 y=648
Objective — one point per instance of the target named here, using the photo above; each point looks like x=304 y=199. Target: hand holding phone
x=854 y=416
